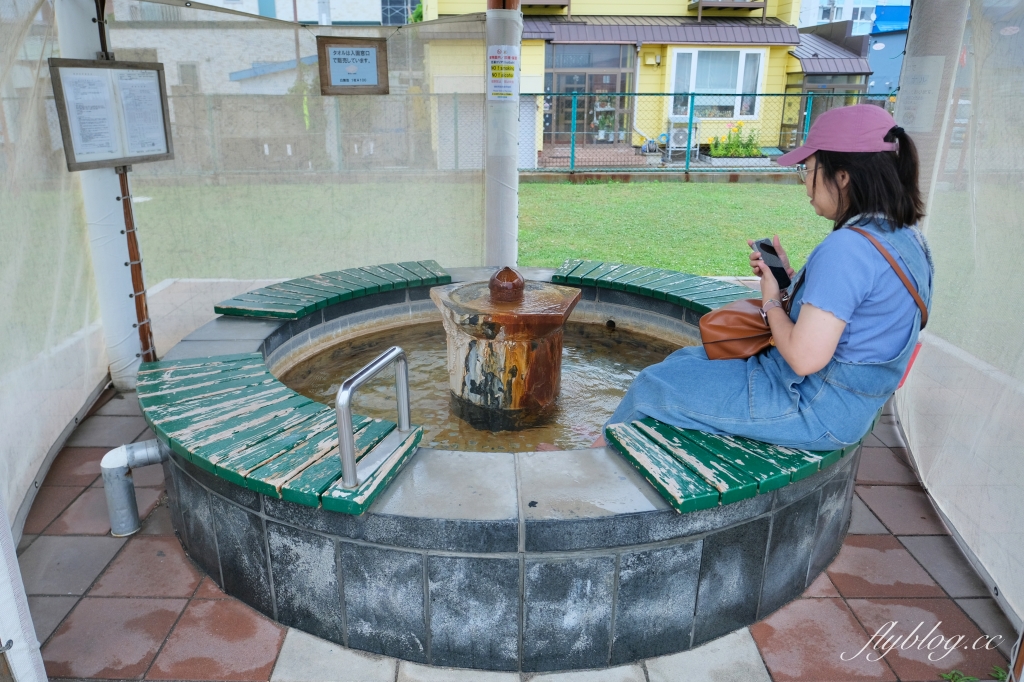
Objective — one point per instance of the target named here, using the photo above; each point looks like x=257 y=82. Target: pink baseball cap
x=857 y=128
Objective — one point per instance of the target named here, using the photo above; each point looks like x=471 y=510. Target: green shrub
x=735 y=144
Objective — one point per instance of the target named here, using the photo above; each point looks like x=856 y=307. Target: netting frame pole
x=807 y=116
x=572 y=136
x=504 y=28
x=689 y=133
x=77 y=38
x=455 y=127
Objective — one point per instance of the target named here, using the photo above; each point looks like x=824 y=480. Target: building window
x=863 y=16
x=726 y=82
x=395 y=12
x=829 y=11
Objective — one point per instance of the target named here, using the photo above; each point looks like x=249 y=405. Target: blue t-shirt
x=848 y=277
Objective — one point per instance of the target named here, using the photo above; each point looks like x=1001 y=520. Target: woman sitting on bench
x=852 y=323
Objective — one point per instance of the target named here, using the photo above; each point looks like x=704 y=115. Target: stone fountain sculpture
x=504 y=348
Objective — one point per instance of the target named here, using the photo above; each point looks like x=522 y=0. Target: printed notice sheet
x=503 y=76
x=353 y=65
x=113 y=113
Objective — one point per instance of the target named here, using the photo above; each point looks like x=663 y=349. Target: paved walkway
x=111 y=608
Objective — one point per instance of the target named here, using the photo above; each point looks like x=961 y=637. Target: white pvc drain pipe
x=119 y=486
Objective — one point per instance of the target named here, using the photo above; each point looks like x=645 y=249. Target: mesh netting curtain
x=271 y=180
x=963 y=406
x=51 y=345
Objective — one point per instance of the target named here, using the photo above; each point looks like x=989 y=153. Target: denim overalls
x=762 y=398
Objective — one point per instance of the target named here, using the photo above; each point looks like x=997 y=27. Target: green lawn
x=694 y=227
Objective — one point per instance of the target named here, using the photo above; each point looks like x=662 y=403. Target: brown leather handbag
x=735 y=331
x=740 y=329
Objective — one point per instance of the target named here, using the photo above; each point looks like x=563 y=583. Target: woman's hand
x=755 y=258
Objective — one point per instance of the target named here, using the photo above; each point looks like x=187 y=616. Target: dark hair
x=880 y=182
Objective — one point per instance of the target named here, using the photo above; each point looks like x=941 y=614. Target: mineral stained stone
x=504 y=348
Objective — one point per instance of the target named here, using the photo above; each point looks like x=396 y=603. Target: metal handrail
x=343 y=406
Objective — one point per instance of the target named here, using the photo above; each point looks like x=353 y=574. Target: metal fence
x=670 y=131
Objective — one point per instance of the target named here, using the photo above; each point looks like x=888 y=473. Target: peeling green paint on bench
x=683 y=489
x=684 y=465
x=297 y=298
x=229 y=416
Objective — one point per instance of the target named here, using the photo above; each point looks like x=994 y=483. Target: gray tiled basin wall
x=534 y=561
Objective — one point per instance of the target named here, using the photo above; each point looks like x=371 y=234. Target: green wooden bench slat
x=346 y=290
x=396 y=281
x=165 y=377
x=203 y=413
x=147 y=368
x=587 y=266
x=683 y=489
x=734 y=485
x=590 y=279
x=247 y=434
x=725 y=290
x=321 y=298
x=162 y=415
x=625 y=280
x=338 y=498
x=360 y=287
x=298 y=286
x=237 y=467
x=802 y=463
x=427 y=278
x=435 y=268
x=563 y=271
x=333 y=291
x=197 y=380
x=257 y=300
x=371 y=285
x=657 y=289
x=612 y=279
x=250 y=309
x=769 y=475
x=702 y=287
x=214 y=385
x=269 y=292
x=246 y=412
x=269 y=477
x=411 y=278
x=188 y=394
x=307 y=487
x=382 y=283
x=256 y=415
x=168 y=420
x=637 y=285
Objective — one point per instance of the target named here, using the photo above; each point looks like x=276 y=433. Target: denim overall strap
x=859 y=388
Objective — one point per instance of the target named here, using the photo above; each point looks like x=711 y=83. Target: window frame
x=740 y=72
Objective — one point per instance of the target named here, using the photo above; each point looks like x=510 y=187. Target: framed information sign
x=111 y=113
x=352 y=66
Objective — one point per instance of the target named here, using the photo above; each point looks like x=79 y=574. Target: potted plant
x=606 y=126
x=736 y=148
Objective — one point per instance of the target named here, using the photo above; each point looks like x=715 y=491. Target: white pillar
x=504 y=47
x=15 y=622
x=78 y=38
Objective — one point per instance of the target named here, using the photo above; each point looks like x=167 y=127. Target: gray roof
x=660 y=30
x=821 y=57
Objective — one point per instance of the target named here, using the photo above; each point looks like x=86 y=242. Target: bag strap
x=899 y=272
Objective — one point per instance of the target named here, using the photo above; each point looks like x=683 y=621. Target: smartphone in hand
x=771 y=258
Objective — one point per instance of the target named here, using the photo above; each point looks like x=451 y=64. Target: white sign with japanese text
x=352 y=65
x=503 y=73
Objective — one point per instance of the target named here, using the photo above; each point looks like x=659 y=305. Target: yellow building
x=721 y=50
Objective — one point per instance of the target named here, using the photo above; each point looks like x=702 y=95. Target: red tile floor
x=137 y=608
